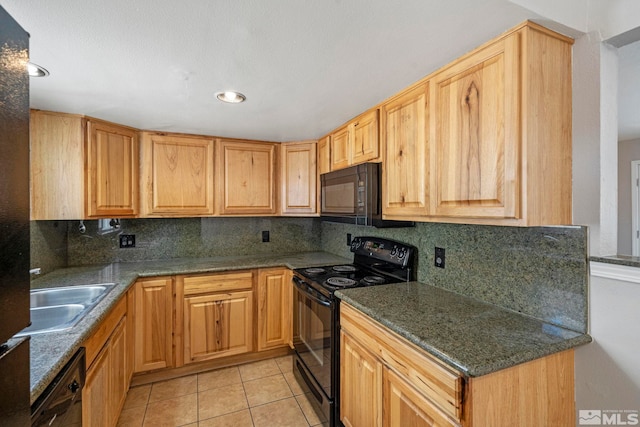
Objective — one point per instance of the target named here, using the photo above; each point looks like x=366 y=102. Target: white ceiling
x=306 y=66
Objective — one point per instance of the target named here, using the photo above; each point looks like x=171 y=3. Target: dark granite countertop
x=628 y=260
x=51 y=351
x=473 y=337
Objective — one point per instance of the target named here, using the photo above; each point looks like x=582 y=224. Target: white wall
x=607 y=371
x=627 y=152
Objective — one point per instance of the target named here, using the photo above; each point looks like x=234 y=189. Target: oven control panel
x=382 y=249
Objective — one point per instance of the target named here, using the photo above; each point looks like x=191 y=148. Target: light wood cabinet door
x=217 y=325
x=324 y=155
x=405 y=169
x=340 y=148
x=246 y=177
x=274 y=308
x=111 y=170
x=56 y=166
x=298 y=178
x=366 y=145
x=96 y=392
x=404 y=406
x=154 y=324
x=118 y=368
x=360 y=385
x=107 y=383
x=476 y=139
x=177 y=175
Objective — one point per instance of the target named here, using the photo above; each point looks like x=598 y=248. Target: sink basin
x=82 y=294
x=54 y=318
x=57 y=309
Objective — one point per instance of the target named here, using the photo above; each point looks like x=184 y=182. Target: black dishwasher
x=61 y=402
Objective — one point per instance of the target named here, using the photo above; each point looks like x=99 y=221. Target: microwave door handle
x=310 y=293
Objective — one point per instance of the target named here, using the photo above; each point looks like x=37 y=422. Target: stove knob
x=394 y=251
x=402 y=253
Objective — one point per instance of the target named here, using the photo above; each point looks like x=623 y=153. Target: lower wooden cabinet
x=108 y=377
x=360 y=385
x=216 y=314
x=153 y=324
x=387 y=381
x=274 y=308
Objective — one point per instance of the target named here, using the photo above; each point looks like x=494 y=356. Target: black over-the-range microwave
x=353 y=195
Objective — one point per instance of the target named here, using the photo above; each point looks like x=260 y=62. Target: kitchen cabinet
x=216 y=314
x=81 y=168
x=111 y=170
x=405 y=166
x=340 y=148
x=108 y=379
x=360 y=385
x=298 y=178
x=246 y=177
x=153 y=342
x=274 y=308
x=487 y=138
x=407 y=386
x=177 y=175
x=324 y=155
x=356 y=142
x=500 y=145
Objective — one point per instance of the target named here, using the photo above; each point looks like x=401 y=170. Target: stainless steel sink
x=83 y=294
x=57 y=309
x=54 y=318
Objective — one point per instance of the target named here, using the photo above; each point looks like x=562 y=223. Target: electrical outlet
x=348 y=239
x=127 y=240
x=439 y=258
x=265 y=236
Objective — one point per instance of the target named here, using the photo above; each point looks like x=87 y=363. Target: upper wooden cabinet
x=324 y=155
x=501 y=132
x=356 y=142
x=246 y=177
x=177 y=175
x=111 y=170
x=498 y=137
x=340 y=148
x=405 y=165
x=365 y=144
x=82 y=168
x=298 y=178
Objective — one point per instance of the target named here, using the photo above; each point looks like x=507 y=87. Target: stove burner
x=344 y=268
x=314 y=270
x=342 y=282
x=377 y=280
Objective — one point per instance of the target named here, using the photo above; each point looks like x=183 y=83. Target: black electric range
x=316 y=331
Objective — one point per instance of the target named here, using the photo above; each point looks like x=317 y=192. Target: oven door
x=313 y=337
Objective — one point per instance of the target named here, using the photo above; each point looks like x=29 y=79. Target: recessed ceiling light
x=36 y=71
x=231 y=97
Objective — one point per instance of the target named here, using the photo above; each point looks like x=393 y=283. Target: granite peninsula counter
x=51 y=351
x=473 y=337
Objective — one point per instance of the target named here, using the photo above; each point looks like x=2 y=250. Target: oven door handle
x=310 y=293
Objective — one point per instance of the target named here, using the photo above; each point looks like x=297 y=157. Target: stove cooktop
x=334 y=277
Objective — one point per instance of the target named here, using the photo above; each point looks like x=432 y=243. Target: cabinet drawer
x=437 y=382
x=194 y=285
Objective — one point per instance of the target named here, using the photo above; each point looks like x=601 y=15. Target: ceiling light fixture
x=36 y=71
x=231 y=97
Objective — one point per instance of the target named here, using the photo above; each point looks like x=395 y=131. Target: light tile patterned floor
x=259 y=394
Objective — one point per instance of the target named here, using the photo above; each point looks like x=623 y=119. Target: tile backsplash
x=538 y=271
